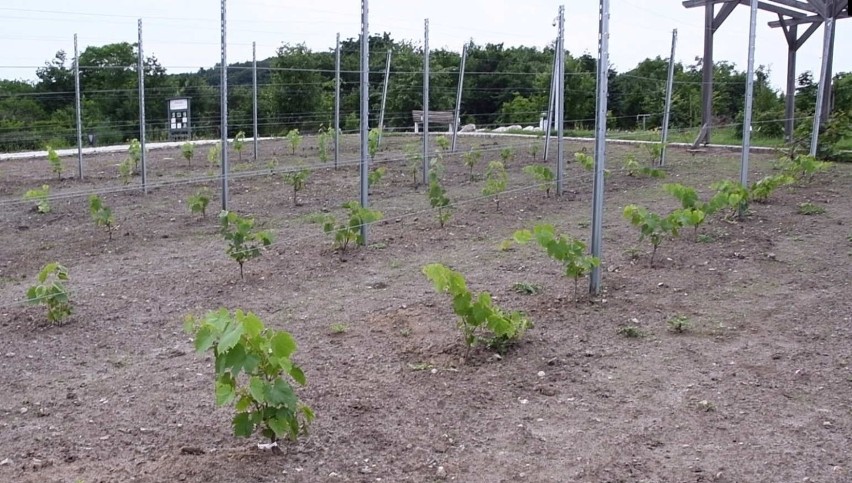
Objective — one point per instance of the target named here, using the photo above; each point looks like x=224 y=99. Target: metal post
x=384 y=97
x=551 y=104
x=707 y=77
x=254 y=95
x=823 y=81
x=141 y=70
x=749 y=95
x=790 y=107
x=669 y=89
x=426 y=101
x=337 y=103
x=829 y=74
x=78 y=110
x=600 y=146
x=365 y=113
x=223 y=102
x=457 y=111
x=560 y=105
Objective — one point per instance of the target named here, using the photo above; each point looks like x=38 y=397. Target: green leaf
x=224 y=393
x=230 y=338
x=279 y=426
x=243 y=426
x=204 y=338
x=257 y=389
x=281 y=394
x=282 y=345
x=297 y=375
x=252 y=325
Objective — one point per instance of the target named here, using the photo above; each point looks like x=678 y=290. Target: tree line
x=502 y=86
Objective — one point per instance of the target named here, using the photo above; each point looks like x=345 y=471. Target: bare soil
x=756 y=389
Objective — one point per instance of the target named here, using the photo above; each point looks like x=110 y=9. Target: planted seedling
x=101 y=214
x=525 y=288
x=652 y=226
x=198 y=202
x=634 y=169
x=415 y=158
x=375 y=176
x=732 y=195
x=55 y=162
x=470 y=159
x=655 y=152
x=679 y=323
x=585 y=160
x=506 y=156
x=297 y=180
x=809 y=208
x=254 y=370
x=339 y=328
x=477 y=312
x=214 y=155
x=40 y=196
x=806 y=167
x=495 y=181
x=373 y=139
x=50 y=291
x=534 y=148
x=346 y=233
x=631 y=332
x=243 y=242
x=443 y=145
x=568 y=251
x=295 y=140
x=125 y=171
x=543 y=175
x=438 y=198
x=187 y=149
x=134 y=153
x=239 y=144
x=322 y=143
x=762 y=189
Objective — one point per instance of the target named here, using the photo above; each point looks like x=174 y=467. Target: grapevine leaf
x=257 y=389
x=278 y=426
x=243 y=426
x=204 y=338
x=281 y=394
x=297 y=375
x=224 y=392
x=282 y=345
x=230 y=338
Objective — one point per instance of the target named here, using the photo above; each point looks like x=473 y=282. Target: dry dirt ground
x=757 y=389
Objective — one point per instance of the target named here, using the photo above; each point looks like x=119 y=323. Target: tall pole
x=790 y=100
x=668 y=111
x=551 y=104
x=600 y=146
x=141 y=70
x=829 y=73
x=223 y=102
x=707 y=76
x=365 y=112
x=384 y=96
x=337 y=103
x=749 y=95
x=560 y=105
x=426 y=101
x=823 y=81
x=254 y=95
x=457 y=111
x=78 y=110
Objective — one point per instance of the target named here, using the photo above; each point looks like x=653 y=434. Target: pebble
x=6 y=462
x=441 y=473
x=541 y=374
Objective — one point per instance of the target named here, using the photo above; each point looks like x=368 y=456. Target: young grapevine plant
x=297 y=179
x=569 y=251
x=187 y=149
x=495 y=181
x=438 y=198
x=254 y=370
x=373 y=139
x=295 y=140
x=214 y=154
x=652 y=226
x=40 y=196
x=134 y=153
x=101 y=214
x=243 y=242
x=477 y=312
x=239 y=144
x=414 y=157
x=322 y=144
x=55 y=162
x=732 y=195
x=50 y=291
x=763 y=189
x=375 y=176
x=506 y=156
x=349 y=232
x=543 y=175
x=198 y=202
x=471 y=159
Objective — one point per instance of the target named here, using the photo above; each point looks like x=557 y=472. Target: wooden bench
x=435 y=117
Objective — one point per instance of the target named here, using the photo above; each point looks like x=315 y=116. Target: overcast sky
x=184 y=35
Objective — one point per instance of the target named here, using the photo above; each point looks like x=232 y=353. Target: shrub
x=40 y=196
x=101 y=214
x=254 y=368
x=477 y=312
x=51 y=292
x=346 y=233
x=243 y=243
